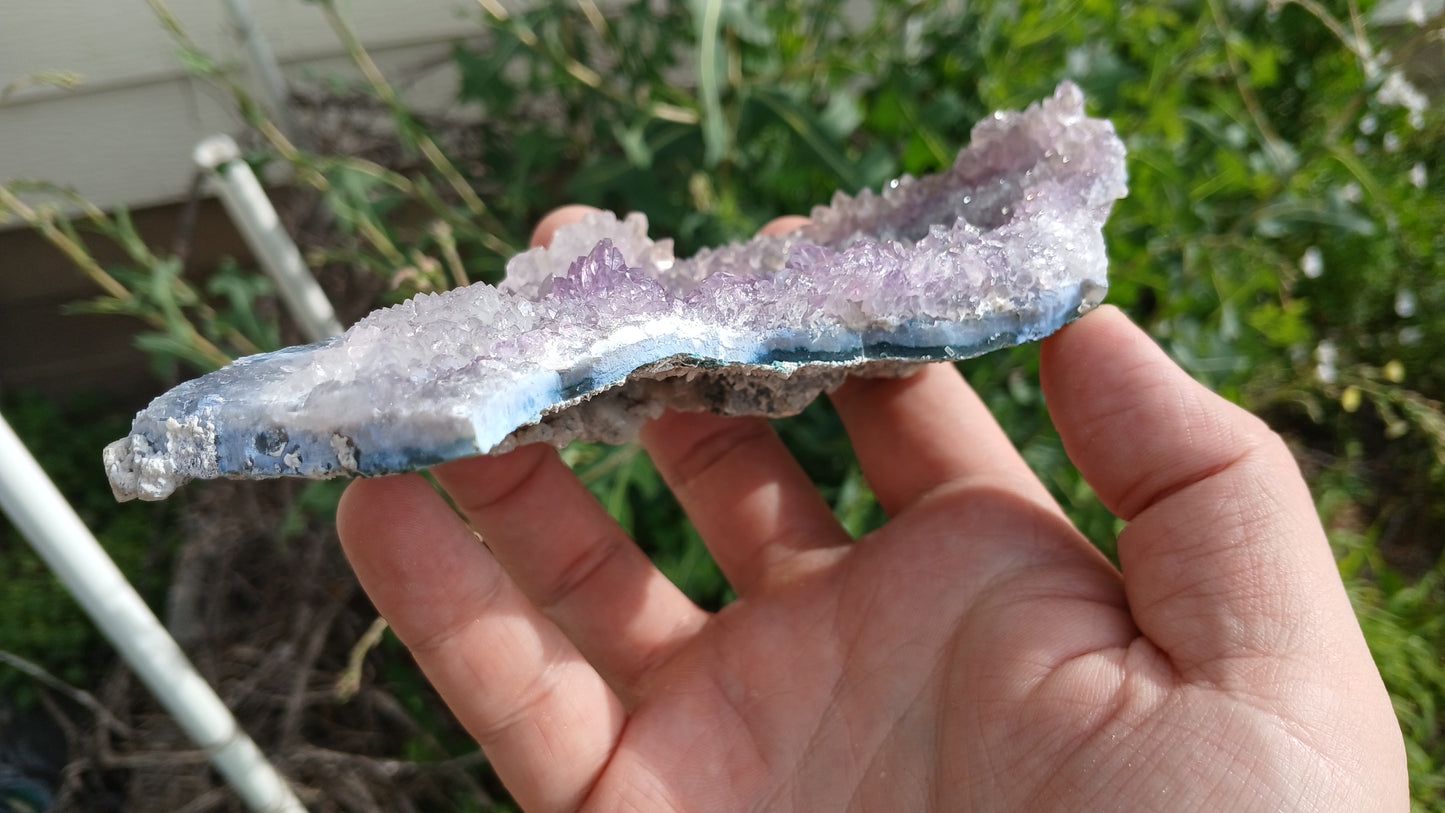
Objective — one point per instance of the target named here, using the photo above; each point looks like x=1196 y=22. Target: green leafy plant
x=1281 y=238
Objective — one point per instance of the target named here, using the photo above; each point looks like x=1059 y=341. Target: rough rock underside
x=604 y=329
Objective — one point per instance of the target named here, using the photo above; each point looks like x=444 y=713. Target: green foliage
x=184 y=324
x=1257 y=137
x=314 y=505
x=1281 y=238
x=1406 y=633
x=38 y=620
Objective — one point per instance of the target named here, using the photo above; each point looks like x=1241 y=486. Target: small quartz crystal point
x=603 y=330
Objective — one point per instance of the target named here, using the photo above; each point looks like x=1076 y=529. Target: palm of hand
x=906 y=673
x=974 y=653
x=916 y=672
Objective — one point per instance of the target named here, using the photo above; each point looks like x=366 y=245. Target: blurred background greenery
x=1282 y=240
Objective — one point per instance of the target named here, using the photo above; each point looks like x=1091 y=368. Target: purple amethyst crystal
x=604 y=329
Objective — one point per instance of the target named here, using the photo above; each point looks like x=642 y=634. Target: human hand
x=973 y=653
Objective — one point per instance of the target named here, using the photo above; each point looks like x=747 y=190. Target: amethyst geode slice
x=589 y=338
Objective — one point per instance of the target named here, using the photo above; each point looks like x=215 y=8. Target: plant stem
x=714 y=129
x=442 y=230
x=388 y=96
x=77 y=253
x=1272 y=141
x=44 y=222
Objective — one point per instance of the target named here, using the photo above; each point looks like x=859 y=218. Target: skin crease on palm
x=974 y=653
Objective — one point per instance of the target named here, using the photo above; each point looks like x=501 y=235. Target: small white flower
x=1397 y=90
x=1372 y=66
x=1351 y=193
x=1392 y=142
x=1415 y=13
x=1405 y=303
x=1326 y=356
x=1417 y=175
x=1312 y=263
x=1411 y=335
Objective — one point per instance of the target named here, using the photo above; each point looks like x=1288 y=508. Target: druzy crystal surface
x=606 y=328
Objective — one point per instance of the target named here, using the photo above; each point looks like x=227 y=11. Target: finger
x=744 y=492
x=567 y=554
x=573 y=561
x=1224 y=558
x=915 y=434
x=556 y=219
x=746 y=495
x=545 y=718
x=784 y=224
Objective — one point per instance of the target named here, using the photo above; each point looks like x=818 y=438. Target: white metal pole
x=268 y=70
x=253 y=214
x=67 y=546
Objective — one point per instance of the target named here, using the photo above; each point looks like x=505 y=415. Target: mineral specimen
x=604 y=329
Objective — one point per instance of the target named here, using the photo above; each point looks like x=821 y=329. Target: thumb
x=1226 y=566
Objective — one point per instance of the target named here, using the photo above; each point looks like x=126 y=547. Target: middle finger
x=749 y=499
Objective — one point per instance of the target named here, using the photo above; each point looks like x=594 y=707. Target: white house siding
x=125 y=135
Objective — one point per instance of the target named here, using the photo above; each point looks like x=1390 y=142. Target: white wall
x=125 y=135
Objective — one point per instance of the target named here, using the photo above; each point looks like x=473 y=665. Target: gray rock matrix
x=606 y=328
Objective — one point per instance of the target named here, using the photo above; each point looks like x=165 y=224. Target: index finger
x=544 y=716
